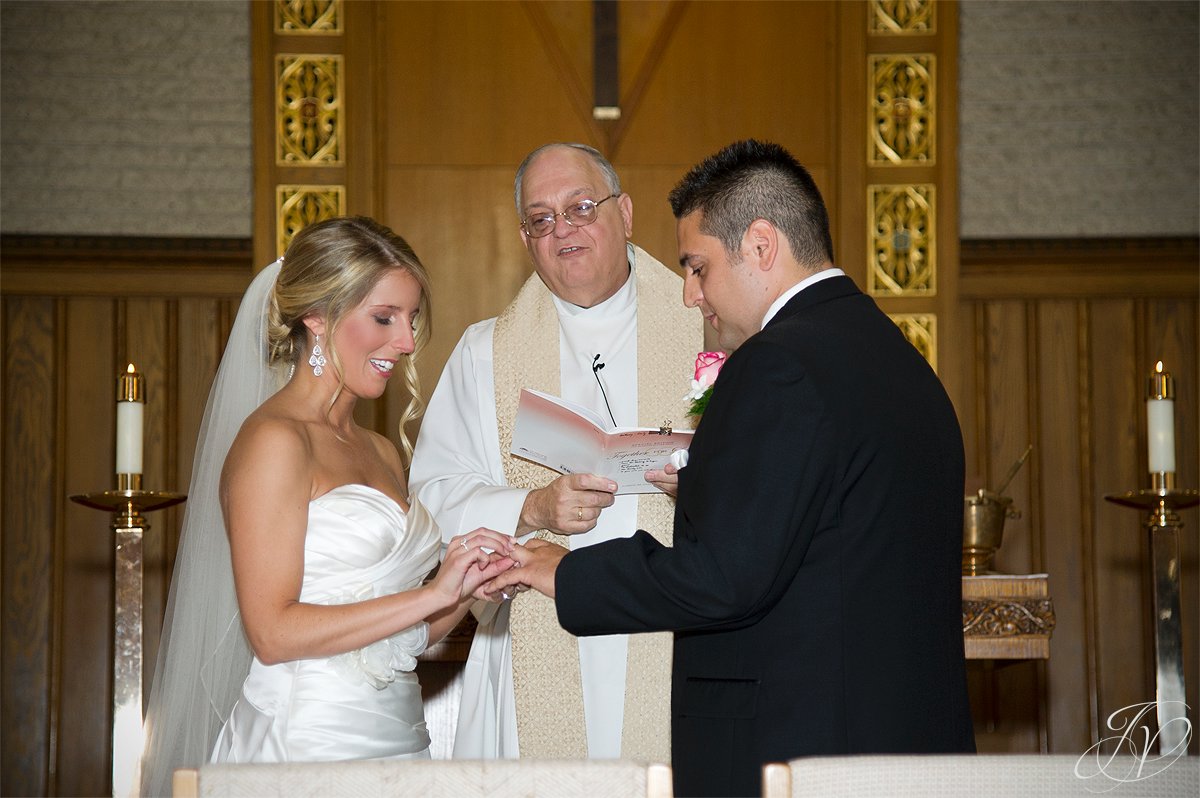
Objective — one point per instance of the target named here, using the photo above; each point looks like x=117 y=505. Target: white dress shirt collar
x=778 y=304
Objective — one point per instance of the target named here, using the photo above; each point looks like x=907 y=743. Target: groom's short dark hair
x=750 y=180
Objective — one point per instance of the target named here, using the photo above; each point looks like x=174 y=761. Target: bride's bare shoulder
x=269 y=437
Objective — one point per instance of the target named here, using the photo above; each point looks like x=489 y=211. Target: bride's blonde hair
x=328 y=270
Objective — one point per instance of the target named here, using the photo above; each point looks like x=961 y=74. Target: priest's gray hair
x=606 y=169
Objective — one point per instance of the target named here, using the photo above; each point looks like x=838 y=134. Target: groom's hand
x=666 y=480
x=568 y=505
x=537 y=561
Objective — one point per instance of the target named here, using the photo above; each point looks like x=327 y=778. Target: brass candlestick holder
x=1163 y=523
x=129 y=526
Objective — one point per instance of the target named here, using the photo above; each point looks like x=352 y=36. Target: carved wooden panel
x=309 y=110
x=921 y=331
x=312 y=17
x=31 y=515
x=902 y=17
x=904 y=109
x=903 y=240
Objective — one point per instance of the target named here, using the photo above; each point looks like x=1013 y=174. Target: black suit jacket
x=814 y=585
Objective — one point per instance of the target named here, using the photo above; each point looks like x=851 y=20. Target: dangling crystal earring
x=317 y=358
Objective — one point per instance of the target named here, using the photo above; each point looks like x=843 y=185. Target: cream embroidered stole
x=546 y=680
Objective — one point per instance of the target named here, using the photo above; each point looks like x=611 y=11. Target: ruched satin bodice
x=362 y=704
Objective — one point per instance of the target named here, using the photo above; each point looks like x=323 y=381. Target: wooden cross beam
x=606 y=102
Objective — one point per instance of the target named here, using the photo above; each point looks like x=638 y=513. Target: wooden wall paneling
x=82 y=719
x=1031 y=475
x=1018 y=725
x=949 y=310
x=645 y=31
x=1063 y=553
x=446 y=109
x=974 y=414
x=365 y=108
x=848 y=208
x=688 y=106
x=201 y=328
x=164 y=529
x=1122 y=635
x=1080 y=268
x=1087 y=508
x=30 y=516
x=463 y=226
x=1009 y=430
x=653 y=222
x=778 y=88
x=566 y=33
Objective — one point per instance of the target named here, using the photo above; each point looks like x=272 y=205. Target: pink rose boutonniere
x=708 y=365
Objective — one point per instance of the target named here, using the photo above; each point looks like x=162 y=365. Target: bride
x=294 y=625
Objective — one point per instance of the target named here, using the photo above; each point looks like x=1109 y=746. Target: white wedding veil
x=203 y=656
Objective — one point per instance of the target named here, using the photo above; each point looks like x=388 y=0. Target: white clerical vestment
x=458 y=475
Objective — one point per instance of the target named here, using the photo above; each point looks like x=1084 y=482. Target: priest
x=599 y=323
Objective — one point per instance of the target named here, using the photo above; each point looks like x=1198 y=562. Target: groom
x=814 y=585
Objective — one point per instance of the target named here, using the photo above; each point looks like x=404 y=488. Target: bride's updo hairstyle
x=329 y=269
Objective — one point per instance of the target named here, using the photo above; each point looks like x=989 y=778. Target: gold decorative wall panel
x=921 y=331
x=902 y=16
x=902 y=240
x=902 y=113
x=308 y=16
x=308 y=110
x=296 y=207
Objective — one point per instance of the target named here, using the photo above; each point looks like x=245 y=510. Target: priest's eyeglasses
x=577 y=214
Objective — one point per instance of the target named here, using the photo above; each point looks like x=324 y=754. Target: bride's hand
x=536 y=565
x=471 y=560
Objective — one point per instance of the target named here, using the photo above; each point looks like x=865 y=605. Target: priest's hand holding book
x=570 y=504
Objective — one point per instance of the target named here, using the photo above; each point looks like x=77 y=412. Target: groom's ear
x=761 y=244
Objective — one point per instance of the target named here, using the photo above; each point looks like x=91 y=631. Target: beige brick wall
x=125 y=118
x=1079 y=118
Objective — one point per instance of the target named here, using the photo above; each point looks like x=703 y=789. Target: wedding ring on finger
x=579 y=513
x=464 y=545
x=504 y=595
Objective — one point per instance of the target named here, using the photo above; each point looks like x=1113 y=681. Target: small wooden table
x=1007 y=616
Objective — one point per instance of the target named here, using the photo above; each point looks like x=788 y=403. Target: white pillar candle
x=1160 y=421
x=131 y=406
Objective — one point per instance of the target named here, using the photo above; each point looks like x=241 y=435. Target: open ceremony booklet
x=572 y=439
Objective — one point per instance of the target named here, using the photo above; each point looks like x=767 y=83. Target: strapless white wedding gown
x=364 y=704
